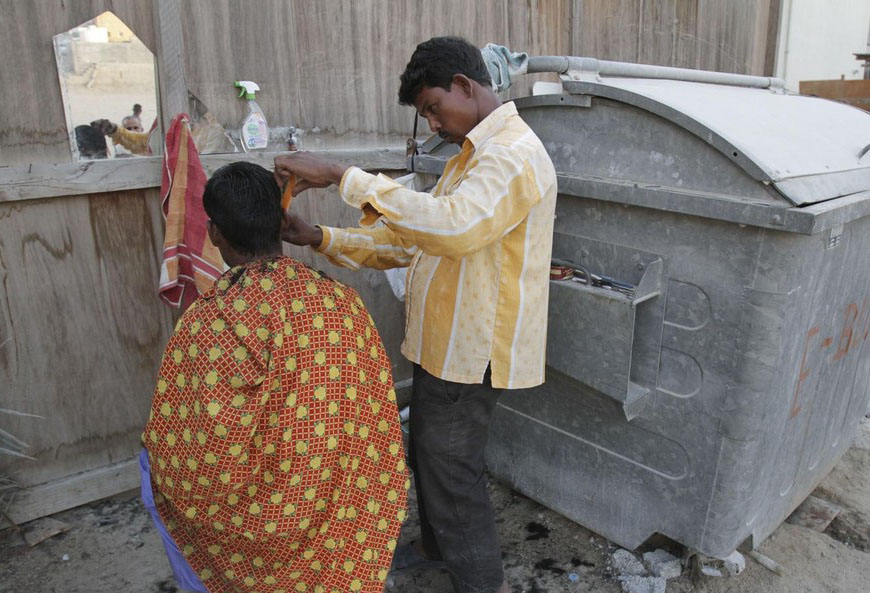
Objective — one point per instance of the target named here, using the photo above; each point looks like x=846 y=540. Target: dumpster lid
x=810 y=149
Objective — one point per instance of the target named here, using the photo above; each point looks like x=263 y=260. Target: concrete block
x=626 y=564
x=662 y=564
x=637 y=584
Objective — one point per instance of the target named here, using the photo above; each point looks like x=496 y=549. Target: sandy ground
x=111 y=547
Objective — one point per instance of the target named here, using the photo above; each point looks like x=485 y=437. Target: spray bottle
x=254 y=131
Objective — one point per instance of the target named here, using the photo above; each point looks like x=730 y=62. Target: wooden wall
x=853 y=92
x=334 y=64
x=81 y=328
x=726 y=36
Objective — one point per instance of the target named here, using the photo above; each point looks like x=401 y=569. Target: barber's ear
x=464 y=83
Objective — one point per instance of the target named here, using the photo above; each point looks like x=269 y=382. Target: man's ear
x=215 y=235
x=464 y=83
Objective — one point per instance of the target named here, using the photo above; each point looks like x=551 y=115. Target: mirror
x=107 y=73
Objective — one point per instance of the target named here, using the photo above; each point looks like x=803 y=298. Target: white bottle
x=254 y=131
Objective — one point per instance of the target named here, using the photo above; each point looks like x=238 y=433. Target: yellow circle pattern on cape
x=274 y=439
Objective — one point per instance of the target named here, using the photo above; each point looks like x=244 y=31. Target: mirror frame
x=67 y=112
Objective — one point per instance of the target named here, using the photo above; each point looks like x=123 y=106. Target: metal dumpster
x=710 y=403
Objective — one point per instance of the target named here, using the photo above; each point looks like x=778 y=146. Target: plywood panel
x=853 y=92
x=658 y=33
x=37 y=181
x=33 y=127
x=669 y=33
x=73 y=490
x=610 y=29
x=732 y=36
x=707 y=34
x=771 y=36
x=685 y=50
x=81 y=327
x=334 y=65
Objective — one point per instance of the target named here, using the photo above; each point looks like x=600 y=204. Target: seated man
x=273 y=446
x=91 y=143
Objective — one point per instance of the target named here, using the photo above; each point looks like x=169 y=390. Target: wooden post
x=172 y=92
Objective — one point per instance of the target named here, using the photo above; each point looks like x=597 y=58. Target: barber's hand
x=310 y=170
x=105 y=126
x=298 y=232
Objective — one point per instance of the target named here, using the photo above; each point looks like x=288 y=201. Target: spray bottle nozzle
x=248 y=88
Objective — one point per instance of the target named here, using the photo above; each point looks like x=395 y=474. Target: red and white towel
x=191 y=263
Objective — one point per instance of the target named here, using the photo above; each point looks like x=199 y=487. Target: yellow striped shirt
x=478 y=248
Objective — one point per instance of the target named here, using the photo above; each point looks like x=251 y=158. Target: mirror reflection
x=107 y=77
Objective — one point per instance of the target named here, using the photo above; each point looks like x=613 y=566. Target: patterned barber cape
x=274 y=442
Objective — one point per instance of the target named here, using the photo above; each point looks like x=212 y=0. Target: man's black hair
x=91 y=142
x=136 y=108
x=435 y=62
x=244 y=201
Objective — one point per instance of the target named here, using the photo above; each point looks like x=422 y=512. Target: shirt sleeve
x=495 y=195
x=377 y=247
x=135 y=142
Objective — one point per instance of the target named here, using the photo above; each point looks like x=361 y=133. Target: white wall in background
x=818 y=37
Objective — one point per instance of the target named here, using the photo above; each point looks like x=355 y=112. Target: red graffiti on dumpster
x=856 y=328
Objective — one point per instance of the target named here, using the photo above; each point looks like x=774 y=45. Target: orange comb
x=287 y=196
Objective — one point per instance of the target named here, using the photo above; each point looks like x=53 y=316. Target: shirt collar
x=491 y=124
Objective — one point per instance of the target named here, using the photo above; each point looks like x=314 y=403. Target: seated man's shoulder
x=296 y=269
x=281 y=281
x=321 y=281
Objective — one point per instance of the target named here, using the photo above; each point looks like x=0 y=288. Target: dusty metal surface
x=762 y=375
x=707 y=412
x=809 y=148
x=579 y=314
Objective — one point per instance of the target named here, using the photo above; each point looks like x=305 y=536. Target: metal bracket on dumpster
x=592 y=70
x=431 y=156
x=604 y=338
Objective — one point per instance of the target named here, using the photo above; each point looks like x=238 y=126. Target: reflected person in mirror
x=129 y=134
x=91 y=143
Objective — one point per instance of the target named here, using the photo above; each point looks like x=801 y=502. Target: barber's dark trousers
x=449 y=429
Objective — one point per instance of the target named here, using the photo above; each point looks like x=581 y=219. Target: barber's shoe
x=407 y=558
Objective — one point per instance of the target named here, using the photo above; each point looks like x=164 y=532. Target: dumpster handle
x=863 y=152
x=564 y=64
